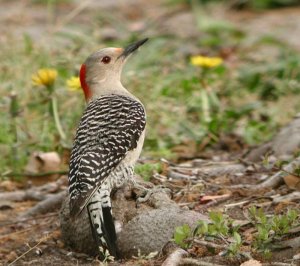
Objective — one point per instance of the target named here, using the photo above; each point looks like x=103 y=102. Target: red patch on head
x=84 y=86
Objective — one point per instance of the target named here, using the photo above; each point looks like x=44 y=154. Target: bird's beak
x=131 y=48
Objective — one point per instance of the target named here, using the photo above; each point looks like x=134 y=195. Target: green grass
x=242 y=98
x=147 y=170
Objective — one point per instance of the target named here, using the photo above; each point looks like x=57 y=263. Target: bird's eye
x=106 y=59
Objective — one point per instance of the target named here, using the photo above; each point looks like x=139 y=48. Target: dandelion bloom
x=73 y=84
x=45 y=77
x=207 y=62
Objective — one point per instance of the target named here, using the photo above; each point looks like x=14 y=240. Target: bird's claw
x=149 y=192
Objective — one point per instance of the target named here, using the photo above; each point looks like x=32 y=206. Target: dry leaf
x=11 y=256
x=43 y=162
x=8 y=185
x=293 y=182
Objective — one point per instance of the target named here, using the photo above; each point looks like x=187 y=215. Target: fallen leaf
x=296 y=257
x=8 y=185
x=284 y=206
x=11 y=256
x=43 y=162
x=293 y=182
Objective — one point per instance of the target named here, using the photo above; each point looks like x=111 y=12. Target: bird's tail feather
x=102 y=223
x=108 y=227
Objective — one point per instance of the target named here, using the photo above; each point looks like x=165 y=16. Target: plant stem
x=14 y=109
x=56 y=118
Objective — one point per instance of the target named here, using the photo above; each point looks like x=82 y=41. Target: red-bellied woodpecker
x=108 y=141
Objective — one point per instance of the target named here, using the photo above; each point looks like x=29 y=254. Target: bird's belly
x=124 y=172
x=119 y=176
x=133 y=155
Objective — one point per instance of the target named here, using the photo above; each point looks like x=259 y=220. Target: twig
x=23 y=195
x=215 y=202
x=41 y=240
x=276 y=264
x=289 y=197
x=174 y=258
x=209 y=244
x=50 y=203
x=210 y=170
x=276 y=179
x=228 y=206
x=35 y=193
x=176 y=175
x=192 y=262
x=294 y=243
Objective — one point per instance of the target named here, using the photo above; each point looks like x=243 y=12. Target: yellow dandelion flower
x=45 y=77
x=73 y=84
x=207 y=62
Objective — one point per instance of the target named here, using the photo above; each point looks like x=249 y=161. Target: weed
x=268 y=231
x=271 y=229
x=181 y=234
x=146 y=170
x=235 y=246
x=220 y=228
x=106 y=256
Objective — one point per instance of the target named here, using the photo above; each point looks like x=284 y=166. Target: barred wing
x=109 y=128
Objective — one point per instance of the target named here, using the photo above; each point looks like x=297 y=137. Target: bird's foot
x=145 y=193
x=140 y=188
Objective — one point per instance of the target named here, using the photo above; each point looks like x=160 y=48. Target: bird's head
x=101 y=72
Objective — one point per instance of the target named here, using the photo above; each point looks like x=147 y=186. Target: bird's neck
x=106 y=87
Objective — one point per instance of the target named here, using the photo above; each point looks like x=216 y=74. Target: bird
x=108 y=142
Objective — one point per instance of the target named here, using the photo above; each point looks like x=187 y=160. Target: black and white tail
x=102 y=223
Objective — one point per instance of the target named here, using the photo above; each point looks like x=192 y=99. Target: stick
x=49 y=204
x=276 y=179
x=193 y=262
x=174 y=258
x=35 y=193
x=276 y=264
x=41 y=240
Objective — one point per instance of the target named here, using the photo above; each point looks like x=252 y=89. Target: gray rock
x=151 y=230
x=145 y=229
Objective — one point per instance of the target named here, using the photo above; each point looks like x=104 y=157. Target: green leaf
x=181 y=234
x=237 y=237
